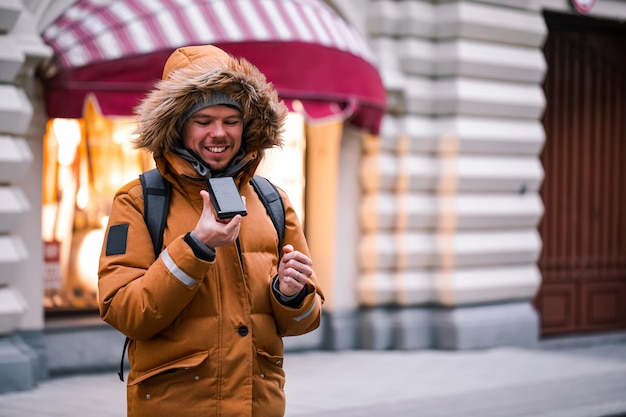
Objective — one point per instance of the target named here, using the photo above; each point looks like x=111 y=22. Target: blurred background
x=457 y=164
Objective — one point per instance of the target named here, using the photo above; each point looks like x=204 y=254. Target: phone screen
x=225 y=198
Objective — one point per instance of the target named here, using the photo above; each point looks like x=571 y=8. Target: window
x=85 y=162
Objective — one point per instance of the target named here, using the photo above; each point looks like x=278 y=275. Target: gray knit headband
x=216 y=98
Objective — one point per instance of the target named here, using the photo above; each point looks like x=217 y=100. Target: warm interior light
x=85 y=162
x=48 y=215
x=285 y=166
x=88 y=257
x=124 y=132
x=82 y=197
x=68 y=134
x=128 y=159
x=83 y=173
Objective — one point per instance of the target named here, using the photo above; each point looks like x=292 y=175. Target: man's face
x=214 y=133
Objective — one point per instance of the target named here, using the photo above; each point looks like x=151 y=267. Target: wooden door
x=583 y=261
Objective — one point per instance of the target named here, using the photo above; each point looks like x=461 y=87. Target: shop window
x=285 y=166
x=85 y=162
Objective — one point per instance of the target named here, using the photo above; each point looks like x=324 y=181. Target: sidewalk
x=499 y=382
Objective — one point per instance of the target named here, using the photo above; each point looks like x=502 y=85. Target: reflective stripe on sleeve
x=175 y=270
x=307 y=313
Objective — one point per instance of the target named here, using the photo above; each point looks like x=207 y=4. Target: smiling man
x=206 y=316
x=214 y=133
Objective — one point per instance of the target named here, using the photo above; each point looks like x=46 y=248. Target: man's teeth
x=216 y=149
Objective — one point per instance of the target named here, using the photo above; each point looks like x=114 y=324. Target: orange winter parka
x=206 y=332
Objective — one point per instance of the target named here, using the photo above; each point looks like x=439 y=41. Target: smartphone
x=225 y=198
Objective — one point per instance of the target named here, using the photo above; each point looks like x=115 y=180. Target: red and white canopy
x=115 y=49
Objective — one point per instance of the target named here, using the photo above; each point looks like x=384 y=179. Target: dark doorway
x=583 y=262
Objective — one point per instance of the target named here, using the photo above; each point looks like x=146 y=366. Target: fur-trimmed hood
x=189 y=75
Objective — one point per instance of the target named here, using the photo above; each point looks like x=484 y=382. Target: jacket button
x=243 y=330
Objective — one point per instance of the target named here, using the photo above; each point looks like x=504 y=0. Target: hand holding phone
x=212 y=231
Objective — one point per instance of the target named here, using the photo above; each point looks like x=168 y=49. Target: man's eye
x=232 y=122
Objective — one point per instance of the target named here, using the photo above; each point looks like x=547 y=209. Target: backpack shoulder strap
x=156 y=202
x=273 y=202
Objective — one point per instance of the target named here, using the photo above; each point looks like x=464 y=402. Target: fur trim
x=263 y=114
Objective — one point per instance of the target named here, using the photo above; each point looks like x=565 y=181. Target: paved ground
x=554 y=381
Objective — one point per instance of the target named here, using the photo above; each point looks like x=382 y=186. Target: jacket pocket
x=270 y=368
x=171 y=367
x=162 y=391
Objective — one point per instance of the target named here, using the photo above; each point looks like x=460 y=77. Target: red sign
x=52 y=265
x=583 y=6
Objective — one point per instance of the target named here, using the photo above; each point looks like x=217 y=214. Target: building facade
x=449 y=226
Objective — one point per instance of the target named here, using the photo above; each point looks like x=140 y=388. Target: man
x=206 y=318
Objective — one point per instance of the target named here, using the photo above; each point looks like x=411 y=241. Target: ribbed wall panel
x=518 y=4
x=9 y=13
x=18 y=60
x=473 y=20
x=477 y=97
x=407 y=250
x=405 y=134
x=15 y=158
x=12 y=254
x=417 y=56
x=455 y=20
x=485 y=135
x=15 y=110
x=13 y=206
x=470 y=59
x=402 y=18
x=489 y=97
x=420 y=95
x=465 y=134
x=420 y=172
x=518 y=174
x=12 y=307
x=486 y=285
x=393 y=78
x=462 y=286
x=415 y=211
x=11 y=59
x=450 y=203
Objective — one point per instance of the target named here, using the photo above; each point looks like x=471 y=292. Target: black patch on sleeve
x=116 y=242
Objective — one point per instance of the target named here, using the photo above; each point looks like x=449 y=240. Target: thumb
x=206 y=201
x=287 y=249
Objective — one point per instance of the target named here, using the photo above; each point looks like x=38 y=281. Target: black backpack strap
x=121 y=371
x=156 y=202
x=273 y=202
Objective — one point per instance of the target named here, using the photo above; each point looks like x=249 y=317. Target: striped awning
x=115 y=50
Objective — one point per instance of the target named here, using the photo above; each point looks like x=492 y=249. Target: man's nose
x=218 y=129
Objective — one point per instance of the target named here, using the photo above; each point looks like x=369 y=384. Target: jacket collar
x=186 y=165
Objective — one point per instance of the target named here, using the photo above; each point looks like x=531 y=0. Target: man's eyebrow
x=209 y=116
x=201 y=116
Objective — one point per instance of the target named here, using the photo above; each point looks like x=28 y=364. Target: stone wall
x=450 y=207
x=22 y=351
